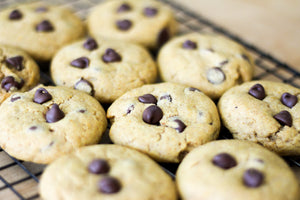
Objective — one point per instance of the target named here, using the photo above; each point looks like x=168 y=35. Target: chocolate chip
x=109 y=185
x=224 y=160
x=124 y=8
x=13 y=99
x=98 y=166
x=130 y=108
x=82 y=62
x=224 y=62
x=41 y=96
x=284 y=118
x=245 y=57
x=181 y=126
x=90 y=44
x=33 y=128
x=124 y=24
x=163 y=37
x=15 y=15
x=16 y=62
x=111 y=56
x=253 y=178
x=9 y=82
x=152 y=115
x=150 y=11
x=147 y=98
x=188 y=44
x=257 y=91
x=84 y=85
x=82 y=110
x=41 y=9
x=54 y=114
x=215 y=75
x=44 y=26
x=167 y=97
x=288 y=99
x=194 y=89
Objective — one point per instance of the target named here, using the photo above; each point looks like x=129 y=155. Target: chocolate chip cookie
x=145 y=22
x=211 y=63
x=46 y=122
x=165 y=120
x=234 y=170
x=264 y=112
x=103 y=68
x=18 y=71
x=39 y=29
x=106 y=172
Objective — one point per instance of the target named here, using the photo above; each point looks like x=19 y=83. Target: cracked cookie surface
x=165 y=120
x=264 y=112
x=46 y=122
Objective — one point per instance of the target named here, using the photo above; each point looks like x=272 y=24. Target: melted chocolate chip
x=15 y=15
x=85 y=86
x=224 y=161
x=194 y=89
x=257 y=91
x=124 y=24
x=82 y=62
x=124 y=8
x=41 y=9
x=90 y=44
x=16 y=62
x=167 y=97
x=147 y=98
x=109 y=185
x=13 y=99
x=150 y=11
x=181 y=126
x=54 y=114
x=163 y=37
x=216 y=75
x=111 y=56
x=9 y=82
x=44 y=26
x=98 y=166
x=152 y=115
x=288 y=99
x=188 y=44
x=253 y=178
x=41 y=96
x=130 y=108
x=284 y=118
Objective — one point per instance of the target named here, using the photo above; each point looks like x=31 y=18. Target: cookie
x=39 y=29
x=211 y=63
x=106 y=172
x=146 y=22
x=103 y=68
x=46 y=122
x=234 y=170
x=264 y=112
x=18 y=71
x=165 y=120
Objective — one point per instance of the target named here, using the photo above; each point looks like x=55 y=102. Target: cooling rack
x=19 y=180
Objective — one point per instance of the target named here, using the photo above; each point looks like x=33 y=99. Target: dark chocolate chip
x=111 y=56
x=9 y=82
x=85 y=85
x=109 y=185
x=152 y=115
x=167 y=97
x=82 y=62
x=15 y=15
x=181 y=126
x=163 y=37
x=150 y=11
x=188 y=44
x=41 y=96
x=253 y=178
x=224 y=62
x=284 y=118
x=82 y=111
x=124 y=24
x=224 y=161
x=130 y=108
x=41 y=9
x=16 y=62
x=288 y=99
x=216 y=75
x=98 y=166
x=90 y=44
x=33 y=128
x=54 y=114
x=13 y=99
x=44 y=26
x=124 y=8
x=147 y=98
x=194 y=89
x=257 y=91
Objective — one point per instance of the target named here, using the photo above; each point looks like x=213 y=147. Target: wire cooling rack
x=19 y=180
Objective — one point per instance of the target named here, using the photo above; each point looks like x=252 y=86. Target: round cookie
x=18 y=71
x=39 y=29
x=234 y=170
x=146 y=22
x=106 y=172
x=103 y=68
x=165 y=120
x=264 y=112
x=211 y=63
x=46 y=122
